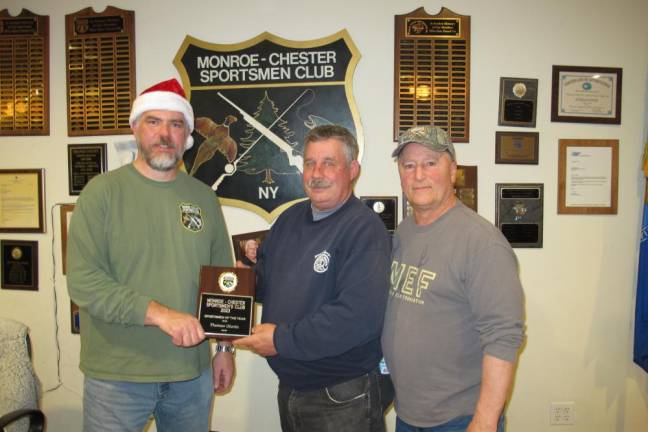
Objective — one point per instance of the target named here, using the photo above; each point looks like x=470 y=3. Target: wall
x=580 y=287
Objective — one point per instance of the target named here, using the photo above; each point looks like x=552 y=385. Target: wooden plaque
x=100 y=71
x=226 y=301
x=24 y=74
x=432 y=72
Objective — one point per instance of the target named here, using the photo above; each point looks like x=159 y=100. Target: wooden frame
x=66 y=214
x=582 y=94
x=588 y=176
x=22 y=202
x=517 y=147
x=239 y=240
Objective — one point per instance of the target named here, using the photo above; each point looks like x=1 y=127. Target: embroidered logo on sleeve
x=322 y=261
x=191 y=217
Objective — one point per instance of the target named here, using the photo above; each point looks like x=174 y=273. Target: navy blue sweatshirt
x=325 y=285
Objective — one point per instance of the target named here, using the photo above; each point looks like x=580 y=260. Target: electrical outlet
x=561 y=413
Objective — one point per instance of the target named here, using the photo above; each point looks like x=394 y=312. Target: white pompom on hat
x=168 y=96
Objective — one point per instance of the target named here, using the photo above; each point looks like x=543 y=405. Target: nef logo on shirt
x=322 y=261
x=191 y=217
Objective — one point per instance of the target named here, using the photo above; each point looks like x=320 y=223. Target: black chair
x=36 y=419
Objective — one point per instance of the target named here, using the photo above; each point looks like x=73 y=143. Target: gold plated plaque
x=100 y=71
x=24 y=74
x=432 y=72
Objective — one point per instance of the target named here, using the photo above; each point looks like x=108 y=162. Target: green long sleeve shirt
x=133 y=240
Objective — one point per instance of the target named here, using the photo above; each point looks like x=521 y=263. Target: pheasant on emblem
x=217 y=138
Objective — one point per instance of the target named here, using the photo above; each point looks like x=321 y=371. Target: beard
x=161 y=162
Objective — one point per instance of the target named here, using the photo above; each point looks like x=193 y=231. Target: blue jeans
x=458 y=424
x=351 y=406
x=118 y=406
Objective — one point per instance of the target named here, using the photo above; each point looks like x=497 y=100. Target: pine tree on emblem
x=265 y=156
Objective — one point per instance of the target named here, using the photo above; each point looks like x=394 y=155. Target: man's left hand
x=261 y=341
x=223 y=368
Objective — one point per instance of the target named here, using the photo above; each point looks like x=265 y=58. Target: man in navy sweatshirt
x=323 y=278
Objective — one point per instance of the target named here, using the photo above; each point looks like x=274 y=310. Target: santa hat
x=168 y=96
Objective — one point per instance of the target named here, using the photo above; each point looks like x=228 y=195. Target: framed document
x=588 y=172
x=581 y=94
x=19 y=265
x=66 y=216
x=516 y=148
x=386 y=207
x=518 y=102
x=85 y=161
x=22 y=201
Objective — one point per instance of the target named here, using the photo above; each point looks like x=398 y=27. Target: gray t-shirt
x=455 y=295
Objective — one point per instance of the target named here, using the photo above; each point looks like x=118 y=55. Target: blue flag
x=641 y=310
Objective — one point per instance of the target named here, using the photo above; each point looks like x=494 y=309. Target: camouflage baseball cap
x=432 y=137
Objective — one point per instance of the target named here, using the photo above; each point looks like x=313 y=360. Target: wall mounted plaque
x=85 y=161
x=519 y=213
x=19 y=264
x=517 y=147
x=22 y=200
x=432 y=72
x=226 y=301
x=518 y=102
x=100 y=58
x=466 y=185
x=386 y=207
x=24 y=74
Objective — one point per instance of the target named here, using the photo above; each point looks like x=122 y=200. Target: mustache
x=164 y=142
x=318 y=183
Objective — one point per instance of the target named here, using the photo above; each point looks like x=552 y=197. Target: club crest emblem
x=227 y=281
x=191 y=217
x=322 y=261
x=254 y=102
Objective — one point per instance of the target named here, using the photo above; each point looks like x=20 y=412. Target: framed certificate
x=581 y=94
x=22 y=202
x=588 y=172
x=516 y=148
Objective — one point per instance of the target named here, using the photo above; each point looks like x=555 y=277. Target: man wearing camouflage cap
x=454 y=320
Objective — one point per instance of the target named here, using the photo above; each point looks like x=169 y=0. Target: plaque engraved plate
x=19 y=266
x=432 y=72
x=519 y=213
x=386 y=207
x=226 y=301
x=24 y=74
x=100 y=71
x=85 y=161
x=518 y=101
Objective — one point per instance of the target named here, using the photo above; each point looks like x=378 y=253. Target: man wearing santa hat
x=138 y=237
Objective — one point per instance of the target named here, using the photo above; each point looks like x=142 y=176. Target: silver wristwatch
x=229 y=348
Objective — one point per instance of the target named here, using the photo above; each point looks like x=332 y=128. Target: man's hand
x=261 y=341
x=223 y=366
x=185 y=330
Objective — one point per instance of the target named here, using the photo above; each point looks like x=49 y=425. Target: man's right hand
x=185 y=330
